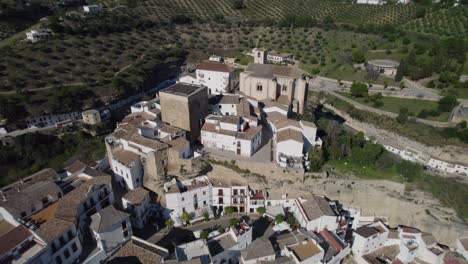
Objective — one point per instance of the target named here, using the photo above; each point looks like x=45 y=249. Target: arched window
x=259 y=87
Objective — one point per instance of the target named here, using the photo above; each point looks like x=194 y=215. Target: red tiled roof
x=13 y=238
x=329 y=237
x=214 y=66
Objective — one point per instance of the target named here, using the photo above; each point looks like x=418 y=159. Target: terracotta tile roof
x=436 y=251
x=249 y=133
x=229 y=99
x=281 y=121
x=214 y=66
x=150 y=143
x=5 y=227
x=408 y=229
x=268 y=103
x=270 y=71
x=136 y=196
x=69 y=203
x=53 y=228
x=79 y=165
x=316 y=206
x=21 y=196
x=134 y=252
x=366 y=231
x=331 y=239
x=13 y=238
x=125 y=157
x=429 y=239
x=305 y=250
x=289 y=134
x=258 y=249
x=106 y=218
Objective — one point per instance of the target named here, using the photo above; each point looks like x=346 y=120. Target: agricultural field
x=445 y=22
x=256 y=10
x=6 y=30
x=394 y=104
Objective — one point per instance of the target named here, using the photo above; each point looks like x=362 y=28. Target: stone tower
x=260 y=55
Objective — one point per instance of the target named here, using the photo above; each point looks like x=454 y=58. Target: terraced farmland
x=446 y=22
x=272 y=10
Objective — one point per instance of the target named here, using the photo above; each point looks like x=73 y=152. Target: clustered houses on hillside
x=268 y=95
x=46 y=218
x=152 y=140
x=404 y=244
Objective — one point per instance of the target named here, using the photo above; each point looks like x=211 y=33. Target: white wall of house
x=110 y=240
x=129 y=177
x=180 y=202
x=227 y=109
x=362 y=245
x=271 y=109
x=71 y=249
x=140 y=213
x=50 y=120
x=290 y=148
x=216 y=81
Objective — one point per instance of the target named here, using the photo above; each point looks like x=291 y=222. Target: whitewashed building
x=36 y=35
x=127 y=168
x=92 y=9
x=233 y=195
x=278 y=57
x=446 y=167
x=369 y=238
x=315 y=213
x=232 y=134
x=292 y=139
x=138 y=204
x=191 y=196
x=215 y=75
x=226 y=247
x=111 y=229
x=371 y=2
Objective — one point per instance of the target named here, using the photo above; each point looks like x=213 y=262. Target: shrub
x=359 y=90
x=204 y=234
x=228 y=210
x=279 y=218
x=447 y=103
x=221 y=230
x=233 y=221
x=358 y=56
x=186 y=217
x=169 y=223
x=261 y=210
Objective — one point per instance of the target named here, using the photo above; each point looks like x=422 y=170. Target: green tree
x=447 y=103
x=400 y=72
x=233 y=221
x=261 y=210
x=359 y=90
x=279 y=218
x=316 y=159
x=358 y=56
x=186 y=217
x=409 y=170
x=204 y=234
x=206 y=215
